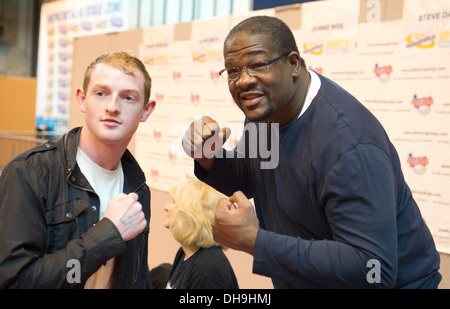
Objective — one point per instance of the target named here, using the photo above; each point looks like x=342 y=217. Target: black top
x=208 y=268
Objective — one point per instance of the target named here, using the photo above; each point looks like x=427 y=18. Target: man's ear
x=294 y=61
x=148 y=110
x=81 y=98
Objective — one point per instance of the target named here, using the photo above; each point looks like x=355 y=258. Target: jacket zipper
x=69 y=170
x=138 y=268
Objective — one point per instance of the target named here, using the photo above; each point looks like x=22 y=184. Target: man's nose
x=245 y=80
x=113 y=105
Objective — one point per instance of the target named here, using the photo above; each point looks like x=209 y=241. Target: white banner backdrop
x=60 y=23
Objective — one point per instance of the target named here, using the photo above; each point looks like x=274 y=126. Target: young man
x=335 y=211
x=74 y=213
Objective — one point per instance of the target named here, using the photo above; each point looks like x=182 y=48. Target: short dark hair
x=279 y=33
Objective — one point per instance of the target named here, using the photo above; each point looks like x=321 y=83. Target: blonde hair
x=195 y=205
x=124 y=61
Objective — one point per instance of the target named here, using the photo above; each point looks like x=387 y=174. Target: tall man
x=335 y=210
x=75 y=213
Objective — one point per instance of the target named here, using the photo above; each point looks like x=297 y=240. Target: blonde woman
x=200 y=262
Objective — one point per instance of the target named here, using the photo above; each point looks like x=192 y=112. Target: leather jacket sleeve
x=25 y=259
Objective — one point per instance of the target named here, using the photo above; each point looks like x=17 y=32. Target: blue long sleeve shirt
x=336 y=210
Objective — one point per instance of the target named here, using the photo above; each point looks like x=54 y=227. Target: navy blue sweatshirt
x=336 y=212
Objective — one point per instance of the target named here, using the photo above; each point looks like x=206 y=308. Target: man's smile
x=251 y=99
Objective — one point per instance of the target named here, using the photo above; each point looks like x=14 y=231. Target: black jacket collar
x=133 y=175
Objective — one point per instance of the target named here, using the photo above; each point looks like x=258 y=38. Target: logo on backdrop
x=422 y=105
x=418 y=40
x=176 y=75
x=418 y=164
x=154 y=172
x=383 y=73
x=154 y=176
x=215 y=76
x=195 y=98
x=313 y=48
x=157 y=135
x=116 y=21
x=150 y=61
x=172 y=156
x=444 y=39
x=198 y=57
x=159 y=97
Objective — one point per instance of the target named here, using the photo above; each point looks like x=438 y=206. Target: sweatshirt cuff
x=258 y=252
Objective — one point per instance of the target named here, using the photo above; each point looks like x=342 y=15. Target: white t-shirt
x=107 y=184
x=312 y=91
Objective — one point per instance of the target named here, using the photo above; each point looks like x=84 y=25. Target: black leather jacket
x=49 y=217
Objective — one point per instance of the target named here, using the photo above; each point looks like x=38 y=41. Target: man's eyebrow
x=97 y=85
x=250 y=54
x=130 y=90
x=105 y=86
